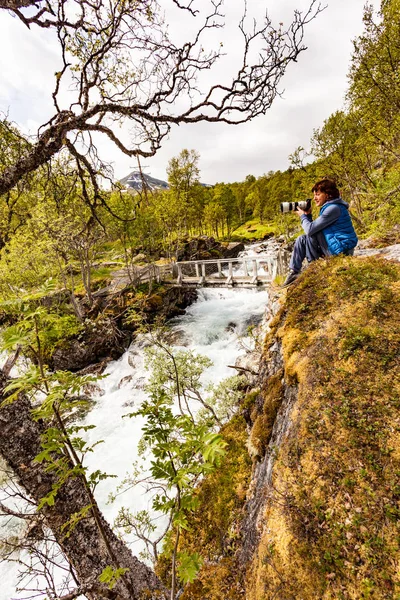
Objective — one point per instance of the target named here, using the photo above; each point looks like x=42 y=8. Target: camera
x=291 y=206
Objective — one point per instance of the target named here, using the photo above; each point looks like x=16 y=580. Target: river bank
x=356 y=292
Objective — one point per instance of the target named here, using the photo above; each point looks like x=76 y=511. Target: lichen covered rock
x=101 y=340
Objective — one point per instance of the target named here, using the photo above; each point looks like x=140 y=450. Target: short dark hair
x=327 y=186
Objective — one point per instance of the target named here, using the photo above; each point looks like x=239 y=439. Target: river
x=215 y=326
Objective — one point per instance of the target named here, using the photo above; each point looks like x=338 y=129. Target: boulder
x=106 y=339
x=201 y=248
x=172 y=303
x=232 y=250
x=207 y=248
x=101 y=340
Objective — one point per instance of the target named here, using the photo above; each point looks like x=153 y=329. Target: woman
x=330 y=234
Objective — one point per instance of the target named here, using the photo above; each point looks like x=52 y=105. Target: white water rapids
x=214 y=326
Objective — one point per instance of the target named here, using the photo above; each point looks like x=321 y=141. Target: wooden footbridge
x=249 y=271
x=242 y=272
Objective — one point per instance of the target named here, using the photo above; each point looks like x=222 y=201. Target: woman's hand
x=300 y=212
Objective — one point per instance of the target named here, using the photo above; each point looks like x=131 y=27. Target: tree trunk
x=85 y=548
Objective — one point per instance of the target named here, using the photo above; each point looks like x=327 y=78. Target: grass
x=100 y=277
x=111 y=248
x=253 y=230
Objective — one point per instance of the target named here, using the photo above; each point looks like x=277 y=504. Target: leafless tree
x=123 y=68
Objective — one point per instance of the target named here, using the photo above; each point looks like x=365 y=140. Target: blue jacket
x=333 y=227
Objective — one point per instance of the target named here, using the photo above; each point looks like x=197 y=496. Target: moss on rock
x=272 y=395
x=332 y=525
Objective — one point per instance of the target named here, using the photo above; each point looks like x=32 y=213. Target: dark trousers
x=306 y=246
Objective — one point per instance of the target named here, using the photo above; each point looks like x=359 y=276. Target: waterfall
x=215 y=326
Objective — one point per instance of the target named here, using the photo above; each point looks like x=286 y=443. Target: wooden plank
x=203 y=273
x=254 y=278
x=229 y=281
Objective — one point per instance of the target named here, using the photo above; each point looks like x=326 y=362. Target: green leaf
x=188 y=566
x=97 y=476
x=110 y=576
x=162 y=470
x=75 y=519
x=181 y=521
x=214 y=448
x=49 y=499
x=16 y=335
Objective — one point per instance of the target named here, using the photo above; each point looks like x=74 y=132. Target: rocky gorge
x=108 y=329
x=306 y=502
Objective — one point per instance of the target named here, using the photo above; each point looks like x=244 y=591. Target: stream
x=216 y=326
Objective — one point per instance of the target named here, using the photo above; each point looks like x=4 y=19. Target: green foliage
x=38 y=329
x=182 y=449
x=174 y=372
x=189 y=566
x=51 y=221
x=25 y=263
x=253 y=230
x=75 y=518
x=17 y=204
x=139 y=523
x=214 y=522
x=360 y=147
x=184 y=445
x=63 y=448
x=224 y=397
x=110 y=576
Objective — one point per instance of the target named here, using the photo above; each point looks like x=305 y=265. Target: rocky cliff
x=319 y=515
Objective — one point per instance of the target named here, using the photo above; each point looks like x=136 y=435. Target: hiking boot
x=291 y=278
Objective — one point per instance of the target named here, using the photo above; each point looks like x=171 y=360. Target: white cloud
x=314 y=87
x=28 y=61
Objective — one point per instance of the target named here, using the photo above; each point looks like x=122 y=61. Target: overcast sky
x=312 y=88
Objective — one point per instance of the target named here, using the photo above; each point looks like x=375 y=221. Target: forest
x=60 y=219
x=66 y=226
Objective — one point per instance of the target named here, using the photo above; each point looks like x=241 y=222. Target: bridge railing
x=248 y=270
x=135 y=275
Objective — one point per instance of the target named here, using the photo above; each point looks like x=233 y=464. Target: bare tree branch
x=126 y=71
x=12 y=513
x=77 y=592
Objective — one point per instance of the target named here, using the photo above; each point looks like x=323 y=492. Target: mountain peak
x=137 y=181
